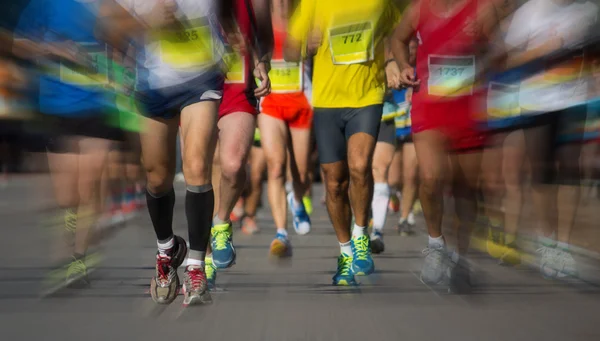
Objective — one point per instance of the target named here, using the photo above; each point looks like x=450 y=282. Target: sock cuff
x=160 y=195
x=382 y=188
x=199 y=189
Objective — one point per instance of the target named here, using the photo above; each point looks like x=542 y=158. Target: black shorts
x=334 y=126
x=169 y=102
x=387 y=132
x=546 y=134
x=92 y=125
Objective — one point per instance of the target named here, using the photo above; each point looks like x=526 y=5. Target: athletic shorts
x=454 y=119
x=334 y=126
x=562 y=127
x=387 y=132
x=169 y=102
x=92 y=125
x=299 y=118
x=238 y=98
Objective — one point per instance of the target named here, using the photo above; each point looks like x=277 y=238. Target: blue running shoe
x=344 y=275
x=222 y=246
x=301 y=218
x=280 y=246
x=211 y=272
x=362 y=262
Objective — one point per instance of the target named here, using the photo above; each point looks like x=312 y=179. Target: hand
x=237 y=43
x=392 y=74
x=407 y=77
x=262 y=74
x=162 y=14
x=315 y=39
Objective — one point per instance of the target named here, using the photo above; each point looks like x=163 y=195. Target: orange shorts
x=299 y=118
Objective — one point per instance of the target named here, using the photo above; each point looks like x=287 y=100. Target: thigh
x=273 y=137
x=158 y=143
x=199 y=132
x=430 y=147
x=301 y=146
x=466 y=168
x=236 y=132
x=329 y=134
x=365 y=120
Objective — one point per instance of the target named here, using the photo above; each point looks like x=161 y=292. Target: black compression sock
x=199 y=205
x=160 y=207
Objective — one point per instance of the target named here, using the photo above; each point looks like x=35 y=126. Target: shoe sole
x=203 y=298
x=362 y=273
x=377 y=246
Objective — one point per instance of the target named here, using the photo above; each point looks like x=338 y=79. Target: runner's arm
x=117 y=26
x=402 y=35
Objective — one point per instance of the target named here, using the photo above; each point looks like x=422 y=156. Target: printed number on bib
x=236 y=70
x=188 y=47
x=451 y=76
x=285 y=77
x=95 y=75
x=351 y=44
x=503 y=100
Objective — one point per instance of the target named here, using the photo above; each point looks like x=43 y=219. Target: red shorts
x=455 y=119
x=299 y=118
x=238 y=98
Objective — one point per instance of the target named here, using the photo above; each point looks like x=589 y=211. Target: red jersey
x=447 y=97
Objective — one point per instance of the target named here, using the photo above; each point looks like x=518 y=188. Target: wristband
x=391 y=60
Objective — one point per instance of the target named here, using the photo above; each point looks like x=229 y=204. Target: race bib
x=503 y=100
x=567 y=71
x=236 y=68
x=451 y=76
x=187 y=47
x=351 y=44
x=402 y=120
x=285 y=77
x=95 y=75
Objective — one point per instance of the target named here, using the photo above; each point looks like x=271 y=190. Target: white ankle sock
x=345 y=248
x=165 y=246
x=358 y=231
x=195 y=263
x=282 y=231
x=379 y=206
x=439 y=241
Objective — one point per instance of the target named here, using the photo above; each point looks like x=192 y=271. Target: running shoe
x=564 y=263
x=222 y=245
x=280 y=246
x=77 y=274
x=377 y=245
x=308 y=204
x=511 y=255
x=435 y=264
x=547 y=267
x=362 y=261
x=249 y=226
x=238 y=211
x=394 y=205
x=164 y=286
x=195 y=286
x=301 y=219
x=211 y=272
x=495 y=242
x=460 y=278
x=405 y=228
x=344 y=275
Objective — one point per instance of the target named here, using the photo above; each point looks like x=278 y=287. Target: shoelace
x=77 y=266
x=361 y=247
x=435 y=253
x=163 y=268
x=70 y=220
x=197 y=278
x=344 y=264
x=209 y=270
x=221 y=239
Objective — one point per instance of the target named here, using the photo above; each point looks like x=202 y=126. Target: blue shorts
x=169 y=102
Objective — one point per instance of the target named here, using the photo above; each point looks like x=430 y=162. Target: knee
x=158 y=178
x=360 y=170
x=276 y=168
x=196 y=172
x=336 y=187
x=232 y=168
x=431 y=184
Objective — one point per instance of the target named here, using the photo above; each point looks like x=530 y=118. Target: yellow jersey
x=348 y=67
